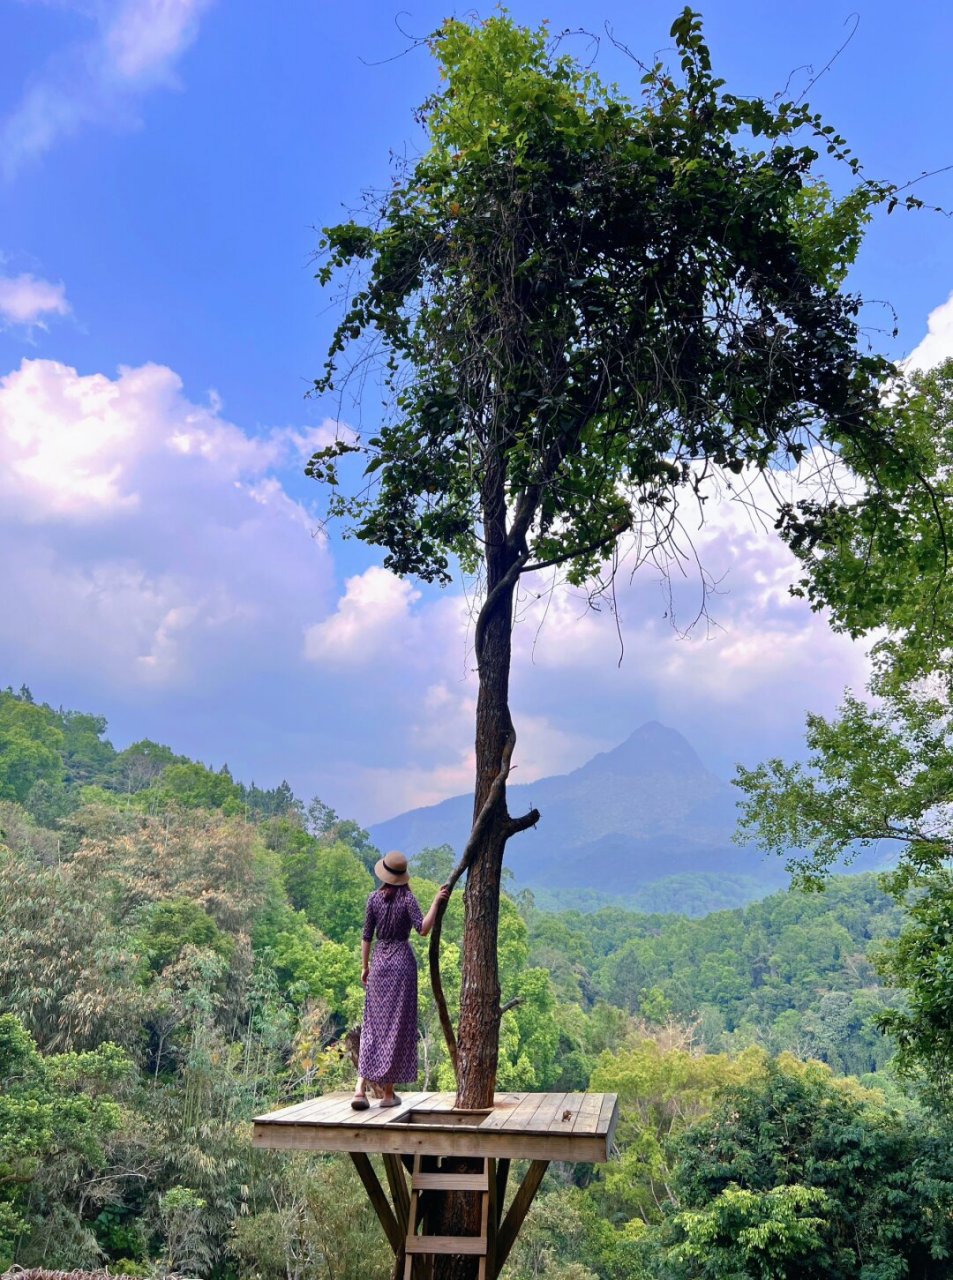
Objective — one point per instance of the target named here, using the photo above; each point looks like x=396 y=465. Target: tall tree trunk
x=478 y=1033
x=479 y=1026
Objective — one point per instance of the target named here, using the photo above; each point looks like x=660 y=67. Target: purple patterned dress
x=389 y=1034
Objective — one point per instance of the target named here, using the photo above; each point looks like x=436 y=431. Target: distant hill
x=646 y=811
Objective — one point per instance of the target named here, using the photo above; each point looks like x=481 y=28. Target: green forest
x=180 y=952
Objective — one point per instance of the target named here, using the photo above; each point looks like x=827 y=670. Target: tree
x=750 y=1235
x=87 y=755
x=434 y=863
x=881 y=771
x=197 y=787
x=662 y=1089
x=590 y=310
x=172 y=925
x=56 y=1117
x=866 y=1168
x=141 y=764
x=31 y=747
x=890 y=564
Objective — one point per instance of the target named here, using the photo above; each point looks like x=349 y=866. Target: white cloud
x=391 y=789
x=737 y=689
x=146 y=537
x=937 y=346
x=374 y=621
x=28 y=301
x=157 y=560
x=146 y=36
x=81 y=448
x=133 y=47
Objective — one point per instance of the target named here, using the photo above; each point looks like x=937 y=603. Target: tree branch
x=479 y=825
x=596 y=545
x=511 y=1004
x=505 y=584
x=515 y=825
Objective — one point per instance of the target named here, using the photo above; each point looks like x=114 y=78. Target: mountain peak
x=652 y=748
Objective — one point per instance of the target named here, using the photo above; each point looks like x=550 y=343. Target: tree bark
x=478 y=1030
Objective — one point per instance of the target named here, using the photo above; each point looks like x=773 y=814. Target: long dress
x=389 y=1033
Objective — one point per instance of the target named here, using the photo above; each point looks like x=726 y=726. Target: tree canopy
x=599 y=303
x=880 y=772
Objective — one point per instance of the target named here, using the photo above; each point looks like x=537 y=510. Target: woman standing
x=389 y=1032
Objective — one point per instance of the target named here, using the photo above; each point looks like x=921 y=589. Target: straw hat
x=392 y=868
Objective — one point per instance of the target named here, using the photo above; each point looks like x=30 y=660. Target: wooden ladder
x=423 y=1181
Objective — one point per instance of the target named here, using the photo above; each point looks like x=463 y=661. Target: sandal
x=359 y=1102
x=395 y=1101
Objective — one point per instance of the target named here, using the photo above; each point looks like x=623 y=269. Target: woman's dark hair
x=391 y=890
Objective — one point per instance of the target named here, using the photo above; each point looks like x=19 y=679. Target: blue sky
x=163 y=167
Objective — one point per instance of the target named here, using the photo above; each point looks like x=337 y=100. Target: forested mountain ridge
x=606 y=822
x=179 y=951
x=54 y=760
x=613 y=824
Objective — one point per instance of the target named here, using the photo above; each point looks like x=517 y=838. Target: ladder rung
x=449 y=1182
x=447 y=1244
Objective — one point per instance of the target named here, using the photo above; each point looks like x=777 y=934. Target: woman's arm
x=366 y=936
x=443 y=893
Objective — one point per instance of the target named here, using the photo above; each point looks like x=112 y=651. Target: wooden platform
x=521 y=1126
x=416 y=1138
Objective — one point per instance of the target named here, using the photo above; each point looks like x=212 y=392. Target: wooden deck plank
x=611 y=1122
x=473 y=1245
x=438 y=1101
x=565 y=1117
x=313 y=1110
x=340 y=1112
x=345 y=1114
x=609 y=1104
x=505 y=1115
x=552 y=1105
x=308 y=1109
x=587 y=1118
x=322 y=1109
x=274 y=1116
x=394 y=1115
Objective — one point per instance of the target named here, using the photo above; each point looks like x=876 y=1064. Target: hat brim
x=389 y=877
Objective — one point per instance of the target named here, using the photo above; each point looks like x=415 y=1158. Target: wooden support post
x=502 y=1174
x=394 y=1169
x=509 y=1229
x=491 y=1219
x=398 y=1189
x=392 y=1229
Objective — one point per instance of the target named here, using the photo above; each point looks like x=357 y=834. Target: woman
x=389 y=1033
